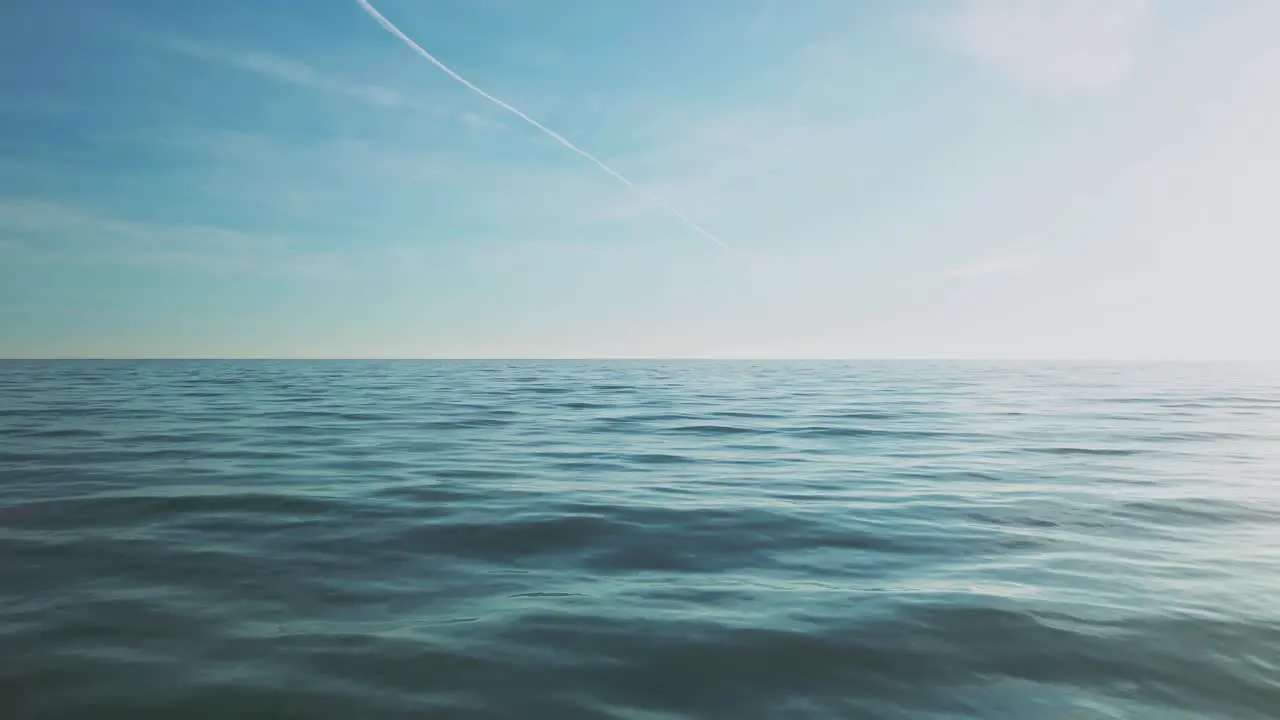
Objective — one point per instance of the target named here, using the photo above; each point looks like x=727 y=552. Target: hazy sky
x=950 y=178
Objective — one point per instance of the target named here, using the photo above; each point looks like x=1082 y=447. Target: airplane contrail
x=391 y=28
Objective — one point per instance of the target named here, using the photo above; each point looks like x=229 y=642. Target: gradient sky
x=950 y=178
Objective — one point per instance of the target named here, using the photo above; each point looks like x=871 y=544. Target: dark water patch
x=713 y=430
x=1198 y=510
x=364 y=417
x=709 y=670
x=1081 y=450
x=369 y=464
x=475 y=474
x=417 y=492
x=1014 y=520
x=314 y=414
x=832 y=431
x=59 y=433
x=653 y=418
x=745 y=415
x=593 y=466
x=1190 y=436
x=784 y=454
x=659 y=459
x=108 y=510
x=191 y=437
x=510 y=539
x=585 y=405
x=465 y=424
x=857 y=415
x=61 y=413
x=546 y=390
x=201 y=394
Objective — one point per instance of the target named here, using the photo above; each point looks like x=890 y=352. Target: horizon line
x=626 y=358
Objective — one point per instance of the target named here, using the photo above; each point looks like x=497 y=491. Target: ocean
x=639 y=540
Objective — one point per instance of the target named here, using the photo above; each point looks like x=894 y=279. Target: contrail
x=391 y=28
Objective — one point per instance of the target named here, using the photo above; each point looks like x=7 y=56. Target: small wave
x=742 y=414
x=367 y=464
x=1200 y=510
x=60 y=433
x=467 y=424
x=475 y=474
x=1182 y=436
x=1079 y=450
x=1014 y=520
x=828 y=431
x=860 y=415
x=145 y=439
x=653 y=418
x=510 y=539
x=427 y=493
x=109 y=510
x=547 y=390
x=659 y=459
x=714 y=430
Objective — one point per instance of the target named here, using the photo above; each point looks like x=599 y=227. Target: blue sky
x=948 y=178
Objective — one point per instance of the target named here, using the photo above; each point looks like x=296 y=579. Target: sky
x=943 y=178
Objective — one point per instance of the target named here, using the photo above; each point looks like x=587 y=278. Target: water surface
x=639 y=540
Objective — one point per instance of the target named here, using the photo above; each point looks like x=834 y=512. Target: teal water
x=638 y=540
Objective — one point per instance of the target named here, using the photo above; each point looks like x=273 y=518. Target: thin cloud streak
x=287 y=70
x=67 y=233
x=391 y=28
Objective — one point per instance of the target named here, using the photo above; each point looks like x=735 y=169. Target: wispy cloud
x=67 y=232
x=1048 y=45
x=64 y=232
x=991 y=266
x=476 y=121
x=286 y=70
x=291 y=71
